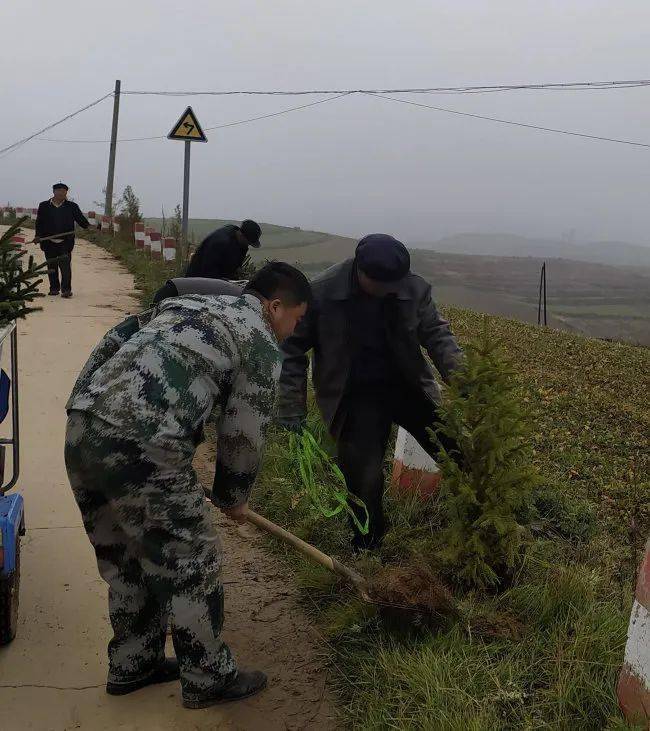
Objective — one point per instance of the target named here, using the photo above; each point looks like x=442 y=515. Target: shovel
x=412 y=594
x=55 y=236
x=401 y=593
x=330 y=563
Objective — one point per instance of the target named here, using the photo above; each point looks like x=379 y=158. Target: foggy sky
x=357 y=164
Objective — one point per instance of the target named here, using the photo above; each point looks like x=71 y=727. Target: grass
x=544 y=652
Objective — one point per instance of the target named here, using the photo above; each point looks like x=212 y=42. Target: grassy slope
x=601 y=301
x=553 y=663
x=545 y=653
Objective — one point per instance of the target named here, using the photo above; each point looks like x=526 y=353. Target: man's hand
x=293 y=424
x=238 y=513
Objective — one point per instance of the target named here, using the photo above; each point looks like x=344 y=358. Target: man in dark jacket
x=222 y=253
x=367 y=326
x=57 y=216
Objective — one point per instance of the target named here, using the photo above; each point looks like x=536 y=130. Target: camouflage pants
x=158 y=551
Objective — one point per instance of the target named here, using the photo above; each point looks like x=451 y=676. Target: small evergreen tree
x=486 y=495
x=18 y=284
x=129 y=212
x=176 y=223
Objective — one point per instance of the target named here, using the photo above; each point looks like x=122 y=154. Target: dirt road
x=52 y=676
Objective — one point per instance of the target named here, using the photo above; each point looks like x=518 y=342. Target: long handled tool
x=55 y=236
x=400 y=592
x=354 y=578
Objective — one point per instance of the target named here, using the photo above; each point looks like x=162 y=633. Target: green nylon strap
x=329 y=494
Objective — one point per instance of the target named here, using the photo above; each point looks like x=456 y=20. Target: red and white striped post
x=169 y=249
x=106 y=223
x=20 y=212
x=20 y=239
x=156 y=245
x=32 y=213
x=138 y=233
x=634 y=681
x=116 y=226
x=413 y=469
x=92 y=219
x=147 y=238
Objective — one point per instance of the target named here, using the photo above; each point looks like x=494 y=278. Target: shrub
x=486 y=487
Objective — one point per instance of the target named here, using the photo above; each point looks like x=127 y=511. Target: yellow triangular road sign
x=188 y=128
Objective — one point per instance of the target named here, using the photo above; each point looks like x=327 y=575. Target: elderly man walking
x=58 y=216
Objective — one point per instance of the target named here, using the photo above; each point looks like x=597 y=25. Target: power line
x=20 y=143
x=218 y=126
x=558 y=86
x=510 y=122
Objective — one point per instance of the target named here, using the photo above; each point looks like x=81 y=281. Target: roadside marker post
x=187 y=130
x=156 y=249
x=138 y=235
x=169 y=249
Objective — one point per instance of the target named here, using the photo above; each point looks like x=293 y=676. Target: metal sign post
x=186 y=203
x=187 y=130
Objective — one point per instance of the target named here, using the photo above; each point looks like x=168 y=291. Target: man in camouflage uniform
x=135 y=420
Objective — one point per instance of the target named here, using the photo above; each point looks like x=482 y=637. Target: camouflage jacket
x=199 y=358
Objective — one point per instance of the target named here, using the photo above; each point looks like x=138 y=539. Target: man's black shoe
x=67 y=295
x=167 y=672
x=245 y=684
x=54 y=293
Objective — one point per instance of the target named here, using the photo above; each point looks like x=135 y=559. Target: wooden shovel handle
x=56 y=236
x=308 y=550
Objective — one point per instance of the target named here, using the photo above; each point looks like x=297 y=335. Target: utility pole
x=108 y=205
x=186 y=201
x=542 y=296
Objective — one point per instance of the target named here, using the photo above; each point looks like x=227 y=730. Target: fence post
x=413 y=469
x=147 y=238
x=33 y=213
x=169 y=249
x=634 y=681
x=20 y=239
x=92 y=219
x=156 y=249
x=138 y=233
x=106 y=223
x=116 y=226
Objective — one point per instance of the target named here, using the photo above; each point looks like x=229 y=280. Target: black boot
x=245 y=684
x=165 y=673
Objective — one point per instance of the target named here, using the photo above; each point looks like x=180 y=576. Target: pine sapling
x=486 y=489
x=18 y=283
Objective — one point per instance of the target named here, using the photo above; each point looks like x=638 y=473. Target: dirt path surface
x=52 y=676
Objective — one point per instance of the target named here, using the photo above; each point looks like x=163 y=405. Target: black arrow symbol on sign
x=189 y=127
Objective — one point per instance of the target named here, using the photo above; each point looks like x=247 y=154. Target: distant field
x=589 y=298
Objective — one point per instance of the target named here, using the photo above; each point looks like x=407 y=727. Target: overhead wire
x=11 y=148
x=207 y=129
x=510 y=122
x=377 y=93
x=561 y=86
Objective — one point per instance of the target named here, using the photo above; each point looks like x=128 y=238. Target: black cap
x=56 y=186
x=383 y=258
x=252 y=232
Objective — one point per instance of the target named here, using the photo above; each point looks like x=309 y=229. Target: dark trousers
x=370 y=414
x=58 y=259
